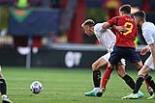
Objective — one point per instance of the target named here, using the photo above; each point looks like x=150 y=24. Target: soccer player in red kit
x=107 y=39
x=125 y=46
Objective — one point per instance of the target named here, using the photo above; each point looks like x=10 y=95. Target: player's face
x=88 y=30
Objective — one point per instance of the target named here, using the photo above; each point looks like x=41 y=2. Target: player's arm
x=110 y=23
x=106 y=25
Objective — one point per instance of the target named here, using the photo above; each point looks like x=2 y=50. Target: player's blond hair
x=88 y=22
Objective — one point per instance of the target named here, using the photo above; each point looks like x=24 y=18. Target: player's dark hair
x=140 y=14
x=89 y=22
x=125 y=9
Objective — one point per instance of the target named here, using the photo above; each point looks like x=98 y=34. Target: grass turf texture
x=64 y=86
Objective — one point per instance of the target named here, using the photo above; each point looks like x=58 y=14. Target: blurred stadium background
x=41 y=34
x=47 y=33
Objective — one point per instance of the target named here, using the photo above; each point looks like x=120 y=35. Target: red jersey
x=124 y=39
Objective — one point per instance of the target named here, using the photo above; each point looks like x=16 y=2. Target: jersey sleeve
x=98 y=28
x=148 y=36
x=113 y=21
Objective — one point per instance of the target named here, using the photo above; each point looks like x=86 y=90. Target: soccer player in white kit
x=148 y=31
x=107 y=38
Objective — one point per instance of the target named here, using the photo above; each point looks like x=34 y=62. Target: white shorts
x=107 y=56
x=149 y=62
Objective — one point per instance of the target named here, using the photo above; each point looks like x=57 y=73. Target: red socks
x=105 y=77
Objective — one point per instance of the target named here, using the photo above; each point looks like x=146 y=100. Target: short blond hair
x=88 y=22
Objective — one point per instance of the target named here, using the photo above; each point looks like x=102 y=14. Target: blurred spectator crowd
x=72 y=14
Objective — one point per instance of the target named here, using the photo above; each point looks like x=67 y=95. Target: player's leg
x=122 y=73
x=107 y=73
x=131 y=55
x=152 y=85
x=105 y=77
x=139 y=66
x=143 y=75
x=3 y=89
x=97 y=77
x=136 y=60
x=115 y=57
x=96 y=66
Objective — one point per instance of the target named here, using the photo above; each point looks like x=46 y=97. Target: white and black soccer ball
x=36 y=87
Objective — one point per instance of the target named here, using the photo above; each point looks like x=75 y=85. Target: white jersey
x=106 y=37
x=148 y=30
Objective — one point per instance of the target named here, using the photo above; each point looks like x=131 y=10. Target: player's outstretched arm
x=106 y=25
x=112 y=23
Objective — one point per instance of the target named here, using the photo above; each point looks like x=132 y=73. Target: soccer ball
x=36 y=87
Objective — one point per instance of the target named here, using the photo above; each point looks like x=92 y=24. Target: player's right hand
x=121 y=28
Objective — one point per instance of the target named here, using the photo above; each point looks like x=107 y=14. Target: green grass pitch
x=64 y=86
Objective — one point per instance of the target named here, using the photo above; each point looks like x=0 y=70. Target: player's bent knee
x=143 y=72
x=121 y=70
x=140 y=72
x=94 y=65
x=139 y=65
x=121 y=73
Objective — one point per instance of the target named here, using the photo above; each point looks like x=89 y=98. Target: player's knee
x=139 y=65
x=141 y=73
x=121 y=71
x=144 y=71
x=121 y=74
x=94 y=65
x=109 y=65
